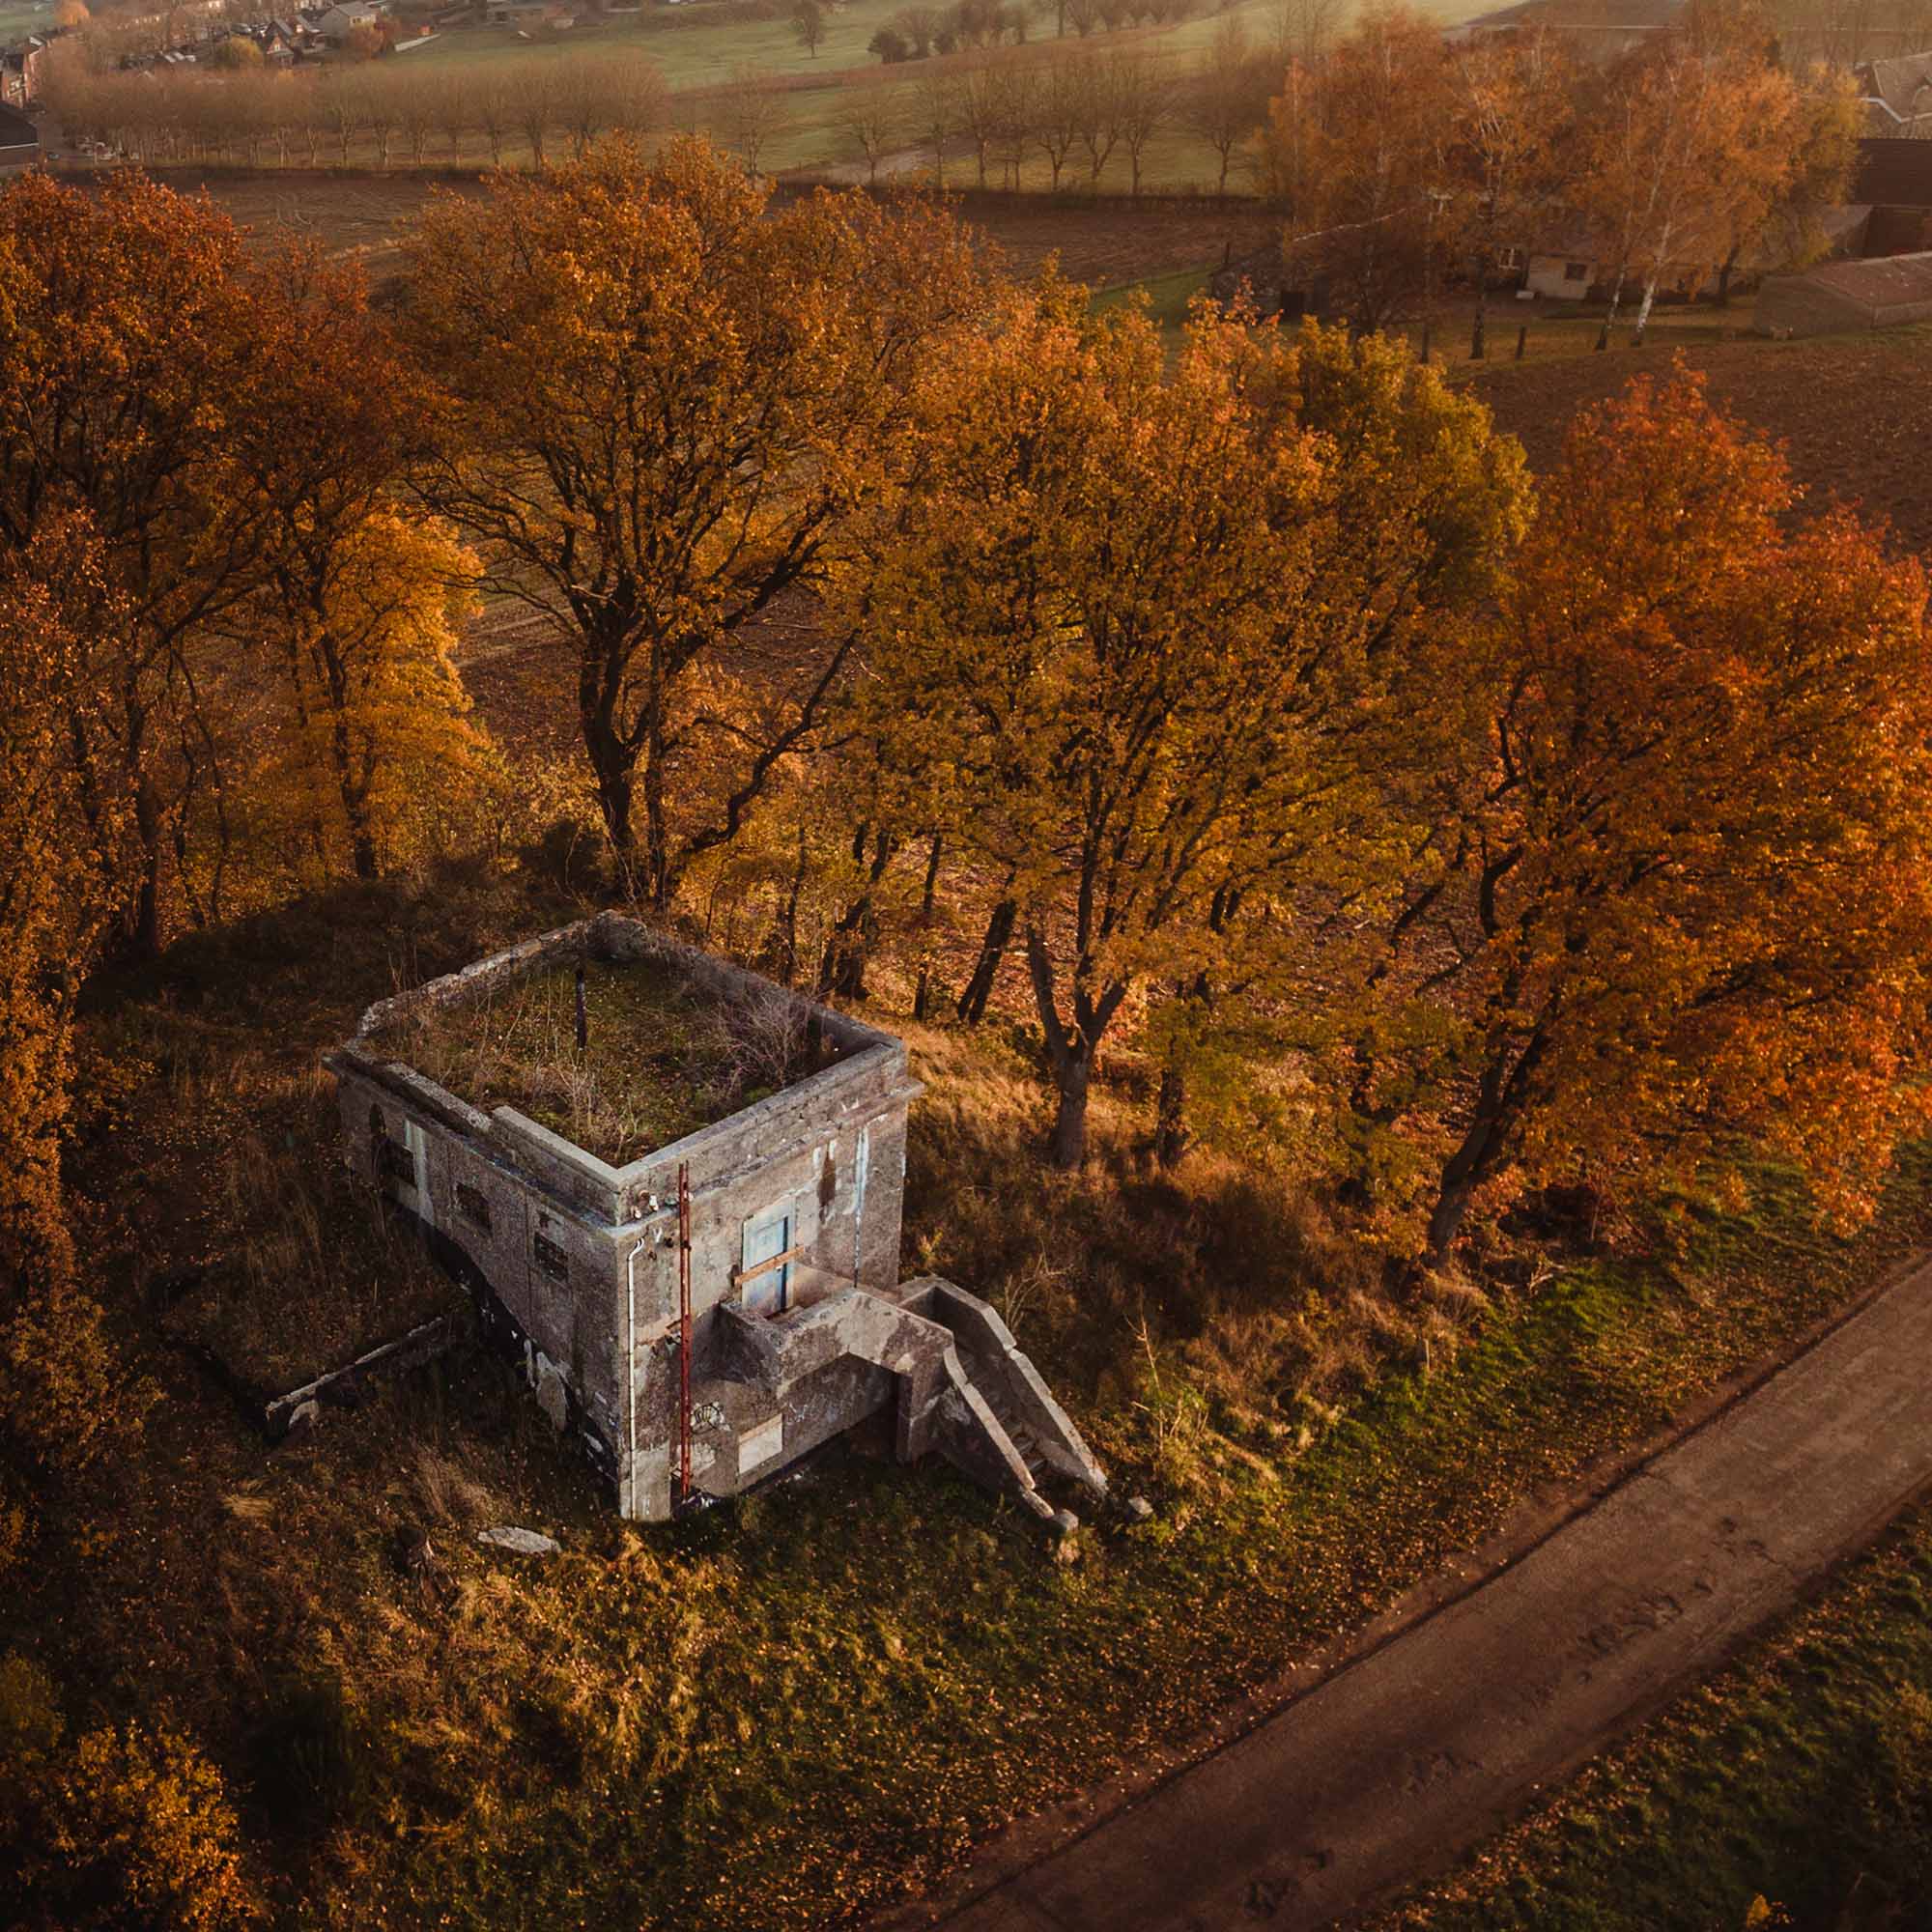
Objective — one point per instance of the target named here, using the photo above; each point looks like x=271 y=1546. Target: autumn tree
x=979 y=109
x=1117 y=605
x=1512 y=95
x=1423 y=505
x=1227 y=99
x=63 y=819
x=345 y=647
x=128 y=337
x=669 y=402
x=750 y=110
x=1787 y=197
x=937 y=109
x=809 y=23
x=1682 y=142
x=1373 y=128
x=1695 y=896
x=872 y=124
x=124 y=1825
x=1144 y=105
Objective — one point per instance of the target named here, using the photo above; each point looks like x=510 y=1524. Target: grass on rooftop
x=665 y=1057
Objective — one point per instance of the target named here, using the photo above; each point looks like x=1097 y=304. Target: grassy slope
x=23 y=16
x=802 y=1704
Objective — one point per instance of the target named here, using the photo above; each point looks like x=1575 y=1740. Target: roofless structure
x=674 y=1190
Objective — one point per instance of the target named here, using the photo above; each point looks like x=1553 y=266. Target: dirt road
x=1412 y=1752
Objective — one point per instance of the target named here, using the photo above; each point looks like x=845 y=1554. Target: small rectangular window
x=472 y=1205
x=551 y=1258
x=1576 y=272
x=395 y=1162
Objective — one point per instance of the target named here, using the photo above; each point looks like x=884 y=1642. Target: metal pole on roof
x=683 y=1332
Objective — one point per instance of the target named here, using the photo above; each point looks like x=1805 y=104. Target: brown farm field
x=1106 y=243
x=1851 y=412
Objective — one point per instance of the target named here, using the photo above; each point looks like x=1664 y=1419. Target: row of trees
x=1404 y=160
x=539 y=106
x=1075 y=112
x=920 y=32
x=1245 y=698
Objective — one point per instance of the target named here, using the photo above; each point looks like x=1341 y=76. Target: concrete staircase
x=959 y=1384
x=1008 y=1402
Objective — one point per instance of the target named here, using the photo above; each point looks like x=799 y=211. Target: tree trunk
x=1169 y=1124
x=846 y=952
x=972 y=1007
x=1070 y=1049
x=144 y=928
x=1730 y=262
x=788 y=920
x=1071 y=1074
x=1643 y=310
x=923 y=995
x=659 y=876
x=1462 y=1173
x=1610 y=314
x=1500 y=1098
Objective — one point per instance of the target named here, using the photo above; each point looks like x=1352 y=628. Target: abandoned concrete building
x=697 y=1263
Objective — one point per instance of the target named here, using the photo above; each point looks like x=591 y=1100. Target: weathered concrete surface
x=1412 y=1752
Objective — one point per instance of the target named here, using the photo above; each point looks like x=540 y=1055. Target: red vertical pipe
x=683 y=1332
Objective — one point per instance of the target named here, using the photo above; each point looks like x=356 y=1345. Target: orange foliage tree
x=128 y=339
x=671 y=404
x=62 y=881
x=1687 y=145
x=1512 y=98
x=353 y=620
x=1365 y=140
x=1135 y=625
x=1695 y=905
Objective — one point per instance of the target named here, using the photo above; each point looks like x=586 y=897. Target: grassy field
x=18 y=17
x=1796 y=1786
x=786 y=1712
x=821 y=93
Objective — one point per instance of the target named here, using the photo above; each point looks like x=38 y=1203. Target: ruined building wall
x=576 y=1261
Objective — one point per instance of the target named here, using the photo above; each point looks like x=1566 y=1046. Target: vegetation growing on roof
x=665 y=1056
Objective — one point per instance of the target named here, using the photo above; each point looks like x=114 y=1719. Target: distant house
x=1842 y=296
x=19 y=141
x=1568 y=264
x=340 y=22
x=1898 y=97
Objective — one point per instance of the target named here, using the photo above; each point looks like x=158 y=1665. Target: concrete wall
x=579 y=1260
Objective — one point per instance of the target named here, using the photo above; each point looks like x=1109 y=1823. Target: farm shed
x=1841 y=297
x=694 y=1255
